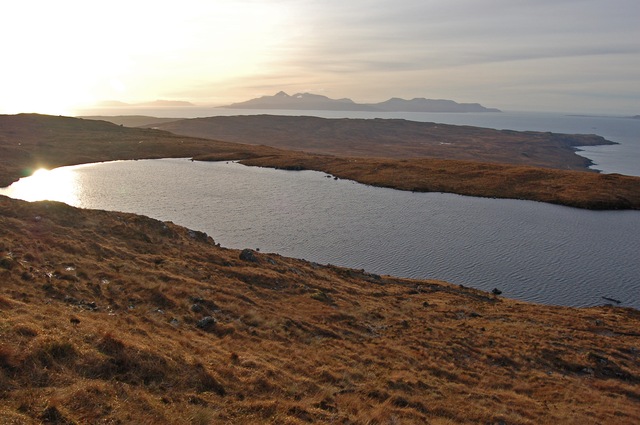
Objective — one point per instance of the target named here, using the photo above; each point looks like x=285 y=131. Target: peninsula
x=29 y=141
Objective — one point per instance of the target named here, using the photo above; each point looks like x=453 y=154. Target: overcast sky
x=542 y=55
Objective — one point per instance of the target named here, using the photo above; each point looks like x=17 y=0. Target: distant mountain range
x=118 y=104
x=309 y=101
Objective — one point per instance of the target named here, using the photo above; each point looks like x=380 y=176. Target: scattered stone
x=496 y=291
x=248 y=255
x=197 y=308
x=200 y=236
x=207 y=323
x=7 y=262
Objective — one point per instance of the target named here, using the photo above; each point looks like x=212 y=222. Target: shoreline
x=29 y=142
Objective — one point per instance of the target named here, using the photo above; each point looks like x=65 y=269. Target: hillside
x=393 y=138
x=29 y=142
x=130 y=120
x=115 y=318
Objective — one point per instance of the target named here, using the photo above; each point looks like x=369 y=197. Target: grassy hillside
x=28 y=142
x=115 y=318
x=394 y=138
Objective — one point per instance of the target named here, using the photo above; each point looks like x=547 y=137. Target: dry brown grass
x=572 y=188
x=393 y=138
x=101 y=322
x=28 y=142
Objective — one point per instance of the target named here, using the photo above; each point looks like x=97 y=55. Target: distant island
x=309 y=101
x=160 y=102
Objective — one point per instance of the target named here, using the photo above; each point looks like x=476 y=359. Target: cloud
x=483 y=51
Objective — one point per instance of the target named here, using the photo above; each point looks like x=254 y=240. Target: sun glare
x=71 y=54
x=45 y=185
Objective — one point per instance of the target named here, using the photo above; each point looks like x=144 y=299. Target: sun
x=59 y=184
x=73 y=54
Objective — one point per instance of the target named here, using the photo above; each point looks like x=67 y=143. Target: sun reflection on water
x=59 y=184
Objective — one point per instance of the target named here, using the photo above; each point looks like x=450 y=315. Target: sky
x=575 y=56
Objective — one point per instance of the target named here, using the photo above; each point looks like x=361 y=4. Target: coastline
x=29 y=142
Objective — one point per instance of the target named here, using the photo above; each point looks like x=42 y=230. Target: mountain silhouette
x=309 y=101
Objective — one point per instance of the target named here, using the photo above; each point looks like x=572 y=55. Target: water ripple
x=531 y=251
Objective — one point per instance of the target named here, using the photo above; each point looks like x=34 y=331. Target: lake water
x=531 y=251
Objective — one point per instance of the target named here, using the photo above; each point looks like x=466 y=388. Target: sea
x=531 y=251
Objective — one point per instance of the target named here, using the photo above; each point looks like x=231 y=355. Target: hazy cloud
x=523 y=54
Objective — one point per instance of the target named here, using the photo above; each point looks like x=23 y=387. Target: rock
x=248 y=255
x=206 y=323
x=496 y=291
x=7 y=262
x=197 y=308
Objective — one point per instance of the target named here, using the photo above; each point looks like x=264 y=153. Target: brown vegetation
x=572 y=188
x=28 y=142
x=393 y=138
x=115 y=318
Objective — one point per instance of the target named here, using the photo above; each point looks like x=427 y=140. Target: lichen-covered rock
x=248 y=255
x=206 y=323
